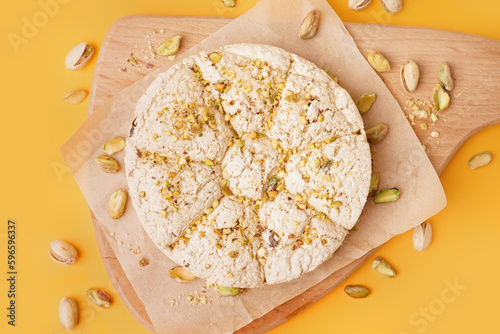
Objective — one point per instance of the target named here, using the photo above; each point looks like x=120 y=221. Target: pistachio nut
x=409 y=75
x=310 y=24
x=117 y=203
x=365 y=102
x=359 y=4
x=114 y=145
x=444 y=74
x=228 y=291
x=107 y=164
x=373 y=185
x=79 y=56
x=386 y=196
x=479 y=160
x=181 y=274
x=378 y=61
x=62 y=252
x=229 y=3
x=422 y=236
x=392 y=6
x=215 y=57
x=68 y=313
x=441 y=97
x=376 y=133
x=357 y=291
x=170 y=46
x=209 y=162
x=143 y=262
x=75 y=96
x=382 y=267
x=220 y=86
x=99 y=297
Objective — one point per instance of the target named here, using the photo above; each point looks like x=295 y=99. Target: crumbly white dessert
x=247 y=165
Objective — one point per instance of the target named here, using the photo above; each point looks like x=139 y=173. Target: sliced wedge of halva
x=248 y=165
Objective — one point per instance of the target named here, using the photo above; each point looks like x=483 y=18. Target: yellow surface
x=46 y=204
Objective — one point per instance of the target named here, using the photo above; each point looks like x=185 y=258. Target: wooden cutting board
x=475 y=63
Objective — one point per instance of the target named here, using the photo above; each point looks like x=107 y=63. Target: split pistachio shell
x=386 y=196
x=480 y=160
x=114 y=145
x=441 y=97
x=108 y=164
x=310 y=25
x=75 y=96
x=376 y=133
x=373 y=185
x=62 y=252
x=382 y=267
x=117 y=203
x=365 y=102
x=378 y=61
x=99 y=297
x=68 y=313
x=170 y=46
x=181 y=274
x=409 y=75
x=392 y=6
x=79 y=56
x=357 y=291
x=228 y=291
x=422 y=236
x=444 y=74
x=359 y=4
x=229 y=3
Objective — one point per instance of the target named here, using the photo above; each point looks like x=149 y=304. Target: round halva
x=248 y=165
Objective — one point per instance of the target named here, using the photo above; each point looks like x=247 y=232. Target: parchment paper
x=399 y=160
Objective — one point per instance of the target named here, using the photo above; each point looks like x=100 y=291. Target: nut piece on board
x=409 y=75
x=170 y=46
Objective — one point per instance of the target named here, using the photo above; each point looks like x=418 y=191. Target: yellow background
x=46 y=203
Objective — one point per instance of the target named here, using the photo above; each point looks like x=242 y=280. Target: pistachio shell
x=386 y=196
x=378 y=61
x=392 y=6
x=117 y=203
x=75 y=96
x=441 y=97
x=79 y=56
x=365 y=102
x=170 y=46
x=228 y=291
x=409 y=75
x=99 y=297
x=376 y=133
x=382 y=267
x=181 y=274
x=359 y=4
x=479 y=160
x=62 y=252
x=444 y=74
x=68 y=313
x=357 y=291
x=422 y=236
x=310 y=24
